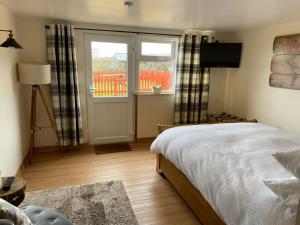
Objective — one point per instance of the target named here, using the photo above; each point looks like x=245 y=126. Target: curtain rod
x=123 y=31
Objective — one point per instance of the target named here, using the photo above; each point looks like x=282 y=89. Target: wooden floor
x=153 y=199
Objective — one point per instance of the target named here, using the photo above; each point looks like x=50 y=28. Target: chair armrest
x=6 y=222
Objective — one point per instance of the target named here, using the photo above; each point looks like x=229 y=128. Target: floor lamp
x=36 y=75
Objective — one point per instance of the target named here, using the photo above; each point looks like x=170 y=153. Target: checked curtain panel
x=192 y=83
x=64 y=84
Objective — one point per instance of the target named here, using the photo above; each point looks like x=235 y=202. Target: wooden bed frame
x=186 y=190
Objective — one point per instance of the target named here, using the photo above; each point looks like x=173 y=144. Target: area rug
x=90 y=204
x=112 y=148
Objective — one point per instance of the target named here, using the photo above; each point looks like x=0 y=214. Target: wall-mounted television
x=227 y=55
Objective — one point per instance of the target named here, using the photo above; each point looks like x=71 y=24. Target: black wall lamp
x=10 y=41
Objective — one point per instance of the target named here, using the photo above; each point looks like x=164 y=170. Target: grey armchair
x=5 y=222
x=41 y=216
x=44 y=216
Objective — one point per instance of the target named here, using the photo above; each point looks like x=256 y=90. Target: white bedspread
x=227 y=163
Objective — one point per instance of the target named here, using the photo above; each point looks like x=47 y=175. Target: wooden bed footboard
x=188 y=192
x=162 y=127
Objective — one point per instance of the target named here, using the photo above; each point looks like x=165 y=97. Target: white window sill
x=152 y=93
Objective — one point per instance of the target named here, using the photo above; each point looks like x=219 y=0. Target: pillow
x=290 y=161
x=12 y=213
x=287 y=190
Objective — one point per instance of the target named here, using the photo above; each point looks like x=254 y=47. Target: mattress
x=227 y=163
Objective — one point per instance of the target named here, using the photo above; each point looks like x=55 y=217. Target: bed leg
x=162 y=174
x=158 y=170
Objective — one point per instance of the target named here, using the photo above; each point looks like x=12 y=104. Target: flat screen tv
x=225 y=55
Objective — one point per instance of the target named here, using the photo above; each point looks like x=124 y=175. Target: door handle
x=91 y=91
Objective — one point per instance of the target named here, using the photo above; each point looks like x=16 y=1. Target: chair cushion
x=44 y=216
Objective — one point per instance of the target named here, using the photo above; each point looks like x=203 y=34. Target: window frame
x=173 y=58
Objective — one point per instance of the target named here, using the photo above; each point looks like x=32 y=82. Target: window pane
x=156 y=74
x=109 y=67
x=156 y=49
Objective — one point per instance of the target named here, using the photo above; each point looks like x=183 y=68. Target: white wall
x=32 y=35
x=14 y=107
x=151 y=109
x=248 y=92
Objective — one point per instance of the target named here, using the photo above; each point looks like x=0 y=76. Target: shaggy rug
x=90 y=204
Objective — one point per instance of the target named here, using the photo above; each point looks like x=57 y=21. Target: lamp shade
x=11 y=42
x=34 y=74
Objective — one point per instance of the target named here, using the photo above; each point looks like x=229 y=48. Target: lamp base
x=33 y=128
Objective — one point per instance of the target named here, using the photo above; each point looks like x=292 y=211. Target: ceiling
x=222 y=15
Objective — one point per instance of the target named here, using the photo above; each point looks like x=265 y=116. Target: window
x=109 y=68
x=157 y=64
x=156 y=49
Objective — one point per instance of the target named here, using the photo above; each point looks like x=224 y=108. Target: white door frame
x=88 y=38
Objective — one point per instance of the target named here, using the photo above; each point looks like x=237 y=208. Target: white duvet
x=227 y=163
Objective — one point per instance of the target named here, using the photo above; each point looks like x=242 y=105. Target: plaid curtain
x=192 y=83
x=64 y=84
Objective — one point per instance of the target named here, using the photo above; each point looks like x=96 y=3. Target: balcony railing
x=114 y=83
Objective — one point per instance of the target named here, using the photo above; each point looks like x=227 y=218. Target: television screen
x=226 y=55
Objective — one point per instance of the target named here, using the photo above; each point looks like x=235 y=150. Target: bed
x=219 y=171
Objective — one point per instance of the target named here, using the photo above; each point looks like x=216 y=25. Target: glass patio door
x=109 y=71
